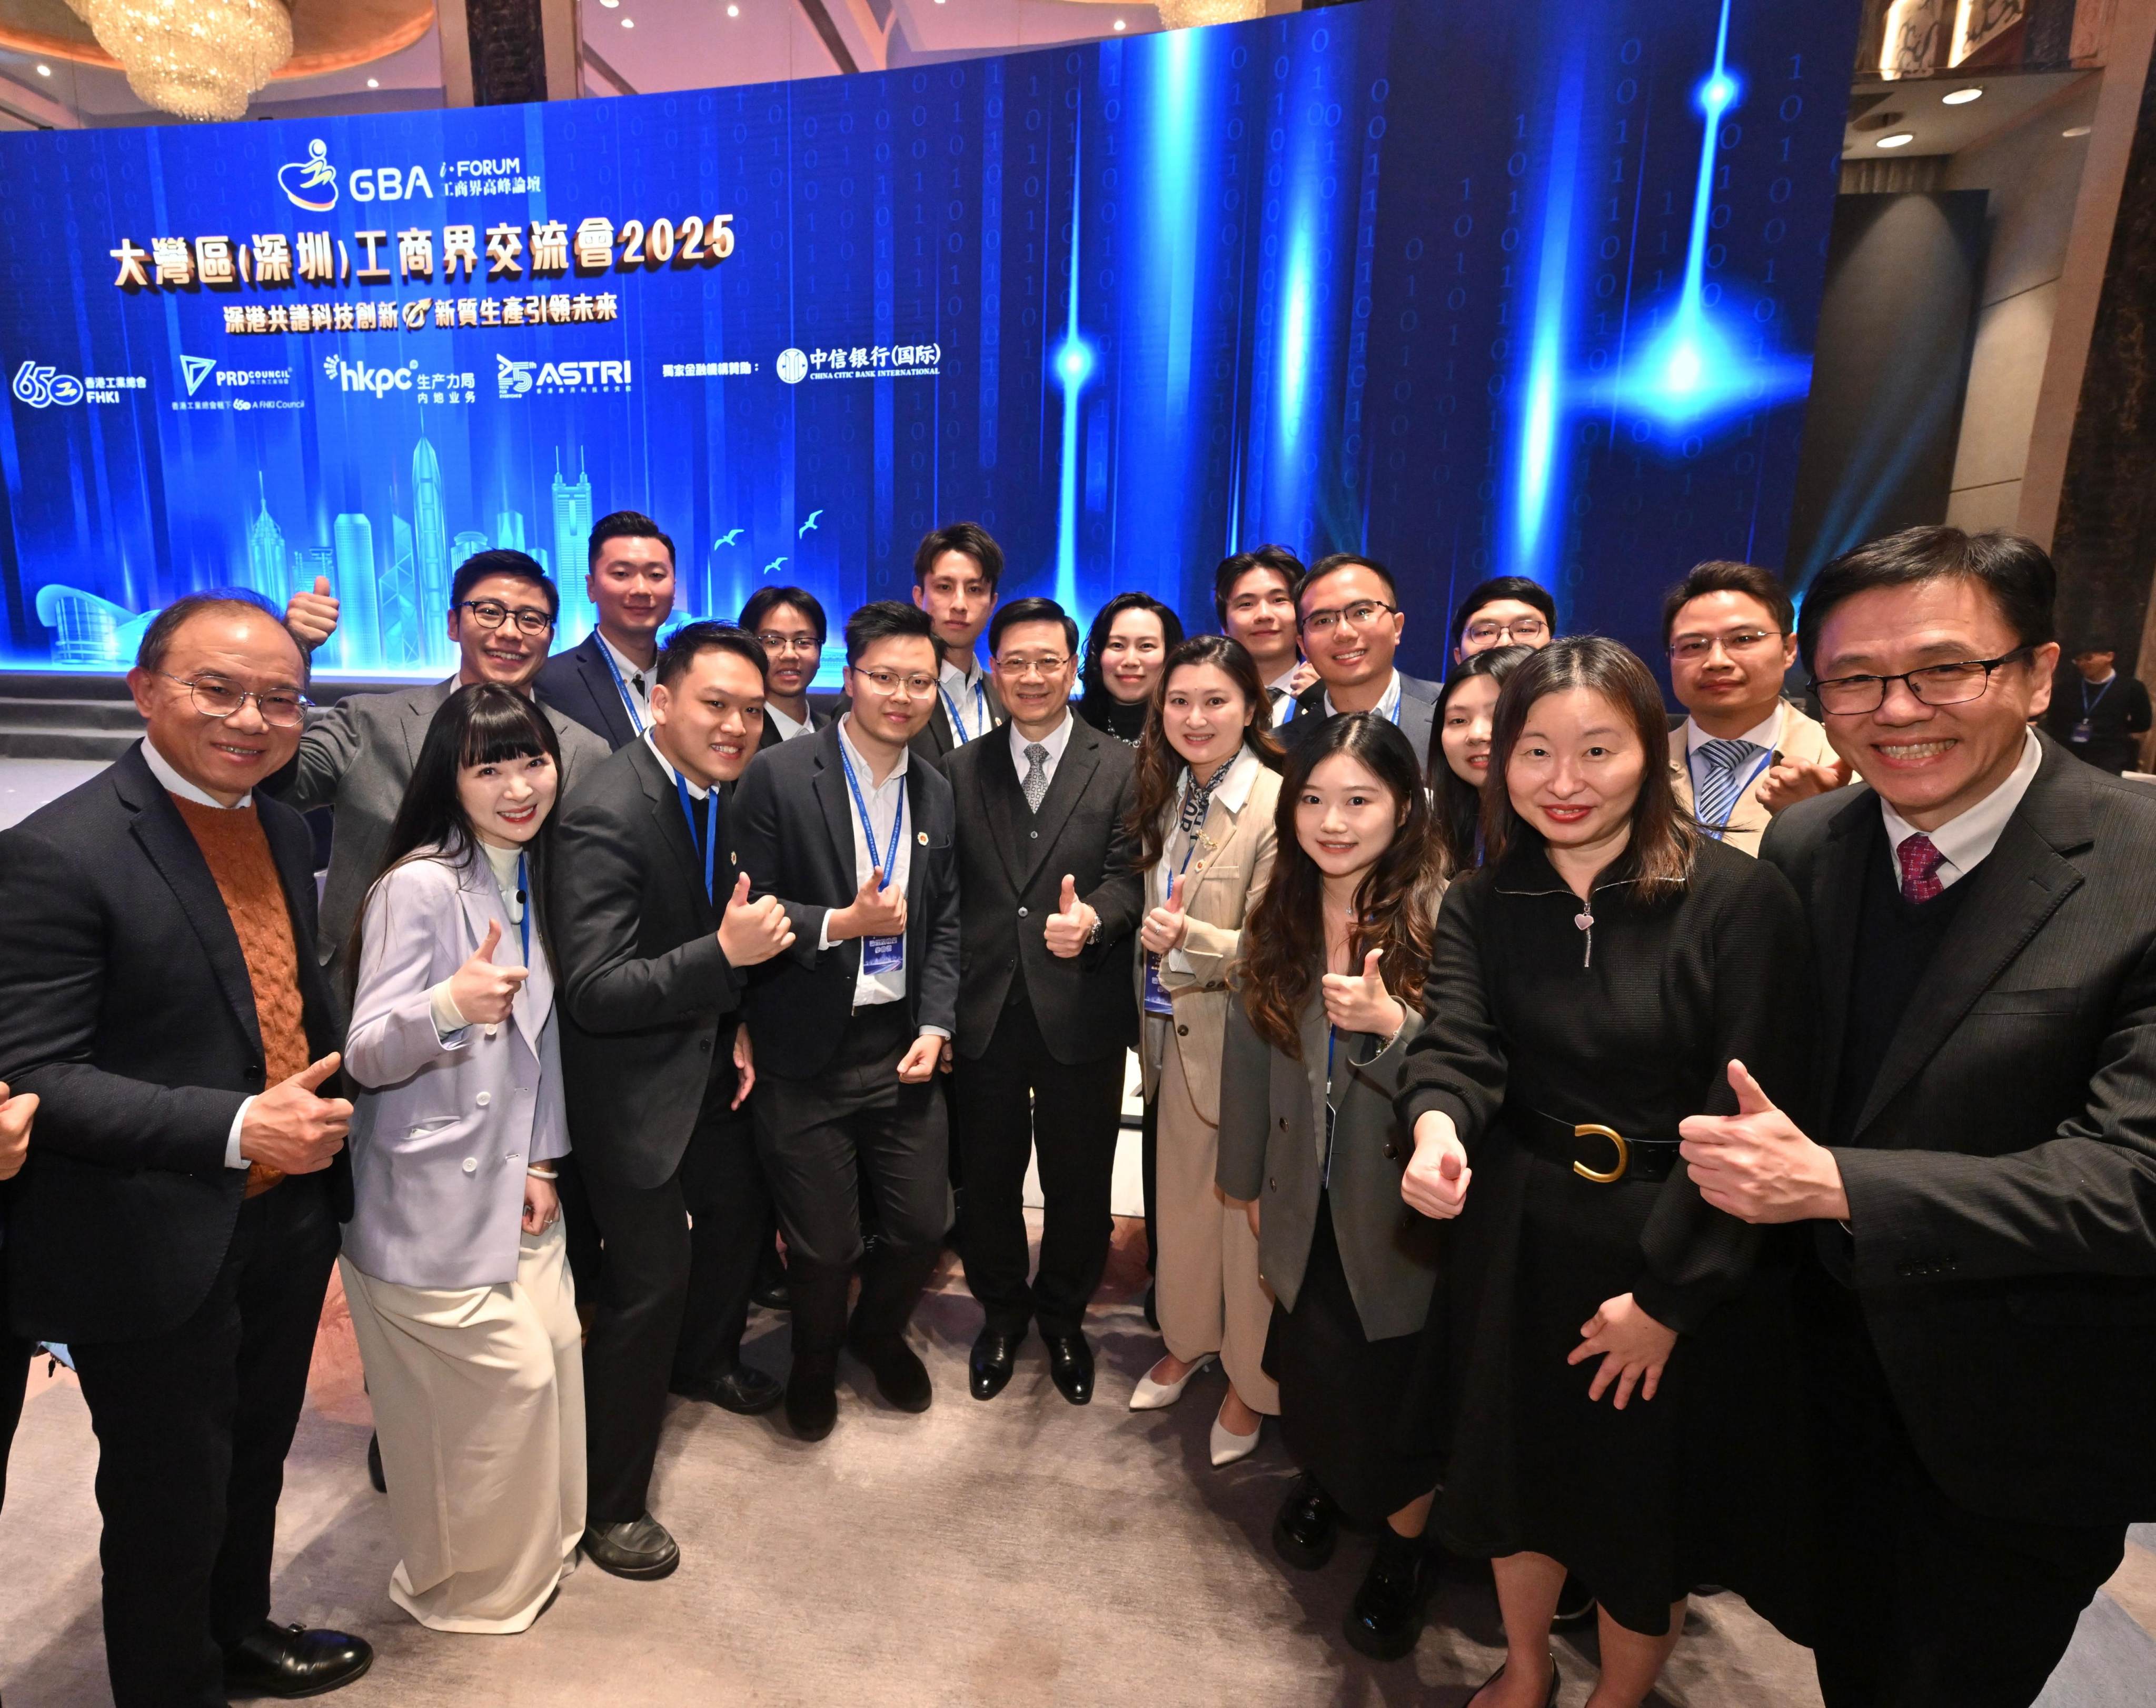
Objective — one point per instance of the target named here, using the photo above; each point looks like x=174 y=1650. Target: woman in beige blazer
x=1209 y=781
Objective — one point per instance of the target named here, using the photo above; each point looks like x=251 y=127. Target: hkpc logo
x=358 y=376
x=518 y=379
x=40 y=385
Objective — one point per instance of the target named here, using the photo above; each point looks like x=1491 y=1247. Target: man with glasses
x=357 y=754
x=1254 y=594
x=1979 y=1312
x=788 y=624
x=604 y=682
x=1728 y=630
x=1350 y=617
x=852 y=832
x=1507 y=610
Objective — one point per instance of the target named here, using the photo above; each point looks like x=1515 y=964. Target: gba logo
x=194 y=370
x=358 y=376
x=516 y=379
x=311 y=183
x=38 y=387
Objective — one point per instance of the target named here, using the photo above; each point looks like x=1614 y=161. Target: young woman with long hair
x=454 y=1260
x=1331 y=983
x=1129 y=642
x=1614 y=1348
x=1207 y=784
x=1459 y=750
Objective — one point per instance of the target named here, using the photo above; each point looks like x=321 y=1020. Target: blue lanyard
x=2089 y=705
x=524 y=904
x=622 y=687
x=1721 y=826
x=957 y=723
x=711 y=832
x=868 y=828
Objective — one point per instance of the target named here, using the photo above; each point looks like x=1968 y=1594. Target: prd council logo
x=311 y=183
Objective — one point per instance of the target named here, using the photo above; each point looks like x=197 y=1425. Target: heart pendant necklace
x=1584 y=918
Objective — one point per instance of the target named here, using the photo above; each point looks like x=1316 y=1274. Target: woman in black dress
x=1606 y=1330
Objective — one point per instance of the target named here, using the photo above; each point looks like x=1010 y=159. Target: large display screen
x=1471 y=289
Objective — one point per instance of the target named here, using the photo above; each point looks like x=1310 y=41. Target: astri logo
x=358 y=376
x=40 y=386
x=311 y=183
x=514 y=377
x=517 y=379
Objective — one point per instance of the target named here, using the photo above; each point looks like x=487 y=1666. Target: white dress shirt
x=1767 y=733
x=1281 y=690
x=967 y=690
x=1971 y=834
x=1388 y=705
x=787 y=728
x=633 y=673
x=1055 y=741
x=884 y=800
x=696 y=790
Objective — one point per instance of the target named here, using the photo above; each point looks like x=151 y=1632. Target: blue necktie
x=1726 y=761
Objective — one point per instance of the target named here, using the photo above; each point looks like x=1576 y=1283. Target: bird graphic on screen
x=727 y=538
x=808 y=527
x=774 y=566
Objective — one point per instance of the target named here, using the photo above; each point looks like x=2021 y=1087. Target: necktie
x=1920 y=862
x=638 y=680
x=1725 y=762
x=1035 y=784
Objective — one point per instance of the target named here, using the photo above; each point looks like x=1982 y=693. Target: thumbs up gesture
x=1794 y=780
x=312 y=617
x=873 y=912
x=1070 y=924
x=1435 y=1179
x=16 y=1114
x=290 y=1129
x=1757 y=1164
x=1357 y=1002
x=482 y=992
x=752 y=932
x=1167 y=926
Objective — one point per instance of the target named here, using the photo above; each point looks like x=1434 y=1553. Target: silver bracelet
x=542 y=1173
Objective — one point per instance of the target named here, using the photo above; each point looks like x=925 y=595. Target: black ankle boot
x=1384 y=1621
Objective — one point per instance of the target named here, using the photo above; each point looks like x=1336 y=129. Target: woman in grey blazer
x=454 y=1260
x=1330 y=977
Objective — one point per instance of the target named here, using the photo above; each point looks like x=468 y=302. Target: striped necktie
x=1725 y=762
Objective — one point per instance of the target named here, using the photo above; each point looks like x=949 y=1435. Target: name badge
x=2083 y=730
x=1155 y=999
x=880 y=954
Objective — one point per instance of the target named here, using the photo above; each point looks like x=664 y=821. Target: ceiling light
x=2074 y=130
x=733 y=12
x=44 y=70
x=1900 y=139
x=1119 y=23
x=628 y=24
x=609 y=4
x=374 y=83
x=1960 y=97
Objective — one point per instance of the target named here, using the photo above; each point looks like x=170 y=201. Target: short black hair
x=1502 y=587
x=691 y=640
x=1346 y=560
x=1279 y=559
x=2014 y=569
x=502 y=561
x=886 y=619
x=625 y=525
x=969 y=538
x=764 y=600
x=1723 y=575
x=157 y=638
x=2083 y=648
x=1034 y=610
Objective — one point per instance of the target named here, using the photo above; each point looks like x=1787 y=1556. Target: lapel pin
x=921 y=837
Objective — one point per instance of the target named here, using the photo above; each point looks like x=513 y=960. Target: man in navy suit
x=604 y=682
x=1348 y=613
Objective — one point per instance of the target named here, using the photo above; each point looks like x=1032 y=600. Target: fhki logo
x=358 y=376
x=312 y=184
x=39 y=384
x=517 y=379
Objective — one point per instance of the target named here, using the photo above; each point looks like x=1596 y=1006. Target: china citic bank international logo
x=792 y=366
x=311 y=183
x=39 y=385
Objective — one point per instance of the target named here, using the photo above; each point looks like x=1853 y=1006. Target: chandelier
x=200 y=59
x=1184 y=14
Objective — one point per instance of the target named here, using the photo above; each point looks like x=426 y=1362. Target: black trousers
x=14 y=1381
x=819 y=1140
x=1922 y=1603
x=673 y=1297
x=1016 y=1101
x=193 y=1426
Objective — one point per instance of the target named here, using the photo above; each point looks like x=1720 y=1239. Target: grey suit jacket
x=1418 y=715
x=356 y=757
x=1272 y=1150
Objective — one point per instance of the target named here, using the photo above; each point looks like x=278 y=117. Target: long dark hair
x=1663 y=845
x=1159 y=765
x=1395 y=905
x=484 y=723
x=1459 y=803
x=1096 y=704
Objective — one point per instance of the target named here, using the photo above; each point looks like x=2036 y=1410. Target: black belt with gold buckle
x=1595 y=1152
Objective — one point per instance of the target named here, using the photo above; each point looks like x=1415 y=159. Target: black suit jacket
x=579 y=684
x=1418 y=714
x=124 y=1004
x=794 y=835
x=1011 y=867
x=819 y=714
x=938 y=743
x=647 y=995
x=2002 y=1175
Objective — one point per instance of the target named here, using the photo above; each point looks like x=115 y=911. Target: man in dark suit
x=956 y=571
x=788 y=623
x=654 y=930
x=176 y=1224
x=1045 y=1010
x=16 y=1114
x=853 y=833
x=1979 y=1315
x=605 y=680
x=1348 y=613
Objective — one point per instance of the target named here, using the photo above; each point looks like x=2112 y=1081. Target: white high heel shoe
x=1228 y=1446
x=1150 y=1396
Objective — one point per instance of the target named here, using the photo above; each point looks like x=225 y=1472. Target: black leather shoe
x=290 y=1660
x=901 y=1377
x=1308 y=1525
x=994 y=1357
x=1070 y=1366
x=638 y=1548
x=1575 y=1605
x=812 y=1398
x=1384 y=1621
x=744 y=1390
x=773 y=1295
x=374 y=1465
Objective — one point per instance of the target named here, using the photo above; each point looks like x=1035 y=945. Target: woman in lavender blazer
x=454 y=1260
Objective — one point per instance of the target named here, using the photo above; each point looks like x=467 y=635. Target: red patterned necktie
x=1919 y=860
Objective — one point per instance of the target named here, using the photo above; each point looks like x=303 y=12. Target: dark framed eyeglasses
x=214 y=697
x=1520 y=631
x=1935 y=684
x=489 y=614
x=1359 y=615
x=771 y=641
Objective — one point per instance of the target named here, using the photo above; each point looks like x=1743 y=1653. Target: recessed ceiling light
x=1960 y=97
x=1900 y=139
x=609 y=4
x=1119 y=23
x=2074 y=130
x=628 y=24
x=374 y=83
x=733 y=12
x=44 y=70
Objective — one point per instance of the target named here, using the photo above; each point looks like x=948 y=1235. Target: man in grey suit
x=1348 y=613
x=358 y=755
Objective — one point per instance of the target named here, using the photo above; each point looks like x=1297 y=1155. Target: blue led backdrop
x=1471 y=288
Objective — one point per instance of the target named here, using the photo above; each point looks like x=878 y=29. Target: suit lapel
x=482 y=904
x=599 y=683
x=664 y=802
x=1836 y=902
x=831 y=793
x=1081 y=757
x=1003 y=803
x=419 y=713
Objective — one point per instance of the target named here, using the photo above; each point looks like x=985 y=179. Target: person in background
x=788 y=624
x=1049 y=897
x=1207 y=784
x=1253 y=596
x=1978 y=1304
x=1350 y=617
x=454 y=1262
x=176 y=1221
x=1505 y=610
x=604 y=681
x=16 y=1116
x=1605 y=1328
x=2097 y=714
x=1742 y=752
x=1458 y=758
x=956 y=571
x=1329 y=992
x=1130 y=637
